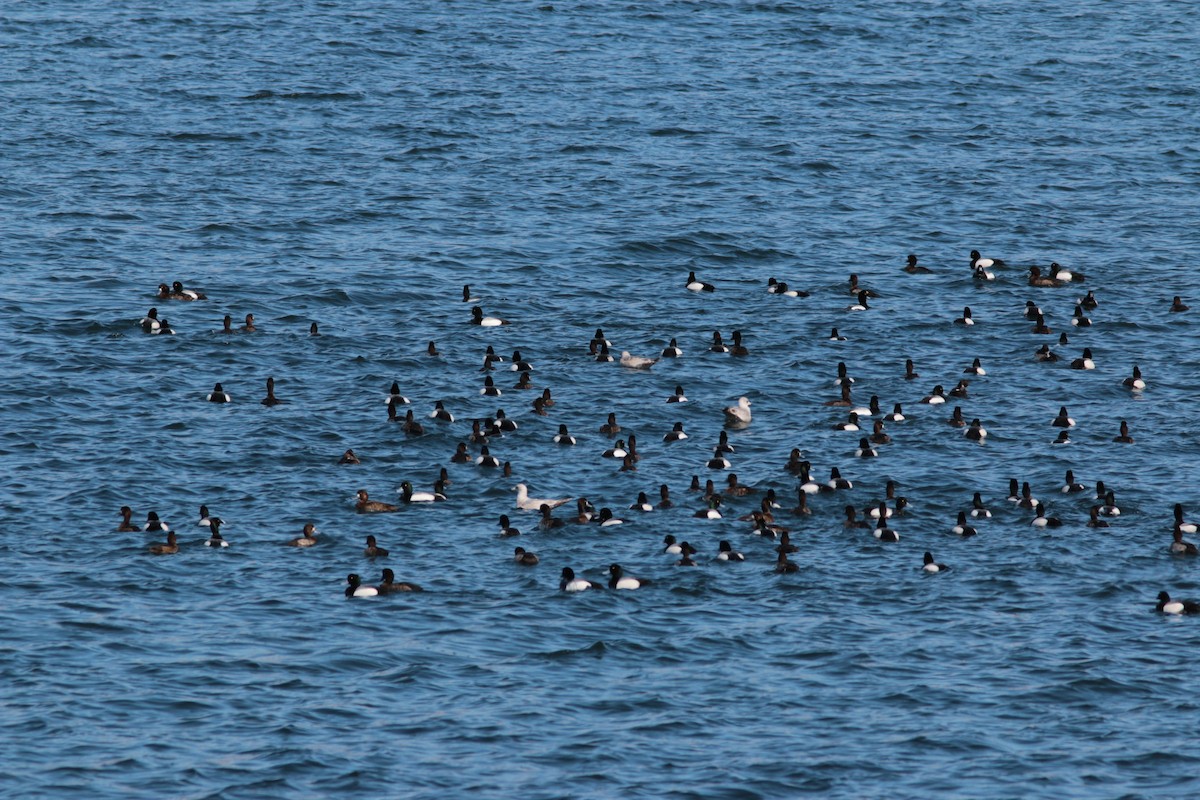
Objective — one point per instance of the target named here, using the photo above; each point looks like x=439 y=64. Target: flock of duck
x=763 y=521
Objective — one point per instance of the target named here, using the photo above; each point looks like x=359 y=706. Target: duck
x=1061 y=273
x=126 y=525
x=966 y=318
x=1168 y=606
x=461 y=455
x=851 y=424
x=610 y=428
x=1070 y=485
x=486 y=459
x=503 y=423
x=978 y=509
x=1042 y=521
x=618 y=580
x=718 y=461
x=1123 y=437
x=718 y=345
x=712 y=512
x=431 y=349
x=586 y=512
x=807 y=484
x=1177 y=305
x=982 y=274
x=569 y=583
x=506 y=527
x=834 y=336
x=678 y=396
x=976 y=432
x=960 y=389
x=636 y=362
x=467 y=297
x=878 y=435
x=389 y=585
x=1088 y=301
x=407 y=495
x=735 y=489
x=861 y=304
x=671 y=547
x=306 y=539
x=204 y=517
x=932 y=566
x=477 y=318
x=313 y=330
x=606 y=519
x=865 y=450
x=153 y=523
x=523 y=381
x=548 y=520
x=1063 y=420
x=676 y=434
x=170 y=547
x=694 y=285
x=871 y=409
x=1027 y=500
x=249 y=326
x=519 y=364
x=910 y=370
x=218 y=395
x=1110 y=507
x=1036 y=278
x=725 y=552
x=365 y=505
x=836 y=481
x=409 y=425
x=795 y=463
x=897 y=414
x=1079 y=319
x=394 y=397
x=738 y=349
x=961 y=528
x=784 y=290
x=490 y=389
x=852 y=520
x=1044 y=353
x=783 y=566
x=844 y=400
x=1186 y=527
x=1032 y=311
x=1094 y=520
x=180 y=293
x=672 y=350
x=373 y=550
x=1084 y=361
x=563 y=437
x=354 y=587
x=1062 y=438
x=1135 y=380
x=150 y=323
x=524 y=501
x=271 y=399
x=1179 y=546
x=1040 y=326
x=539 y=407
x=524 y=557
x=214 y=530
x=978 y=260
x=854 y=289
x=164 y=292
x=936 y=397
x=739 y=414
x=616 y=451
x=664 y=497
x=913 y=268
x=801 y=508
x=882 y=532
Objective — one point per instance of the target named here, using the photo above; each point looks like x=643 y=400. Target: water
x=355 y=164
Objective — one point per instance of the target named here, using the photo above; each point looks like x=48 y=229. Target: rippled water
x=355 y=164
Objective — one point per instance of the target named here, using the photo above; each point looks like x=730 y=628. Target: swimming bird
x=1124 y=437
x=976 y=431
x=1084 y=361
x=616 y=451
x=865 y=450
x=1063 y=420
x=524 y=557
x=1177 y=305
x=664 y=495
x=214 y=530
x=910 y=370
x=978 y=260
x=180 y=293
x=490 y=389
x=1070 y=485
x=1079 y=319
x=364 y=505
x=126 y=525
x=271 y=399
x=855 y=289
x=712 y=512
x=932 y=566
x=1168 y=606
x=563 y=437
x=725 y=552
x=782 y=565
x=636 y=362
x=218 y=395
x=409 y=425
x=354 y=587
x=170 y=547
x=477 y=318
x=861 y=304
x=913 y=268
x=698 y=286
x=718 y=346
x=978 y=509
x=1186 y=527
x=373 y=550
x=936 y=397
x=407 y=495
x=249 y=326
x=467 y=297
x=834 y=336
x=1036 y=278
x=528 y=503
x=506 y=528
x=882 y=532
x=641 y=504
x=1042 y=521
x=618 y=580
x=1135 y=380
x=307 y=539
x=966 y=318
x=389 y=585
x=1061 y=273
x=961 y=528
x=569 y=583
x=153 y=523
x=672 y=350
x=610 y=428
x=740 y=414
x=1179 y=546
x=738 y=349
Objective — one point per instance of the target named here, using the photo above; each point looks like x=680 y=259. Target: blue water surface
x=354 y=164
